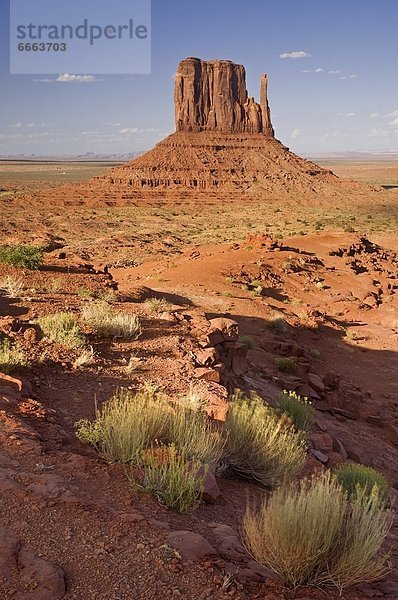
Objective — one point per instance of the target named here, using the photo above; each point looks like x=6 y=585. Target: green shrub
x=357 y=478
x=130 y=423
x=24 y=257
x=299 y=409
x=248 y=341
x=62 y=328
x=260 y=445
x=106 y=322
x=310 y=535
x=11 y=357
x=287 y=365
x=177 y=481
x=126 y=425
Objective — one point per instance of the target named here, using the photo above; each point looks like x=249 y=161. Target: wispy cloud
x=44 y=80
x=394 y=123
x=296 y=54
x=111 y=124
x=334 y=72
x=349 y=77
x=347 y=114
x=67 y=78
x=394 y=113
x=373 y=115
x=129 y=130
x=295 y=133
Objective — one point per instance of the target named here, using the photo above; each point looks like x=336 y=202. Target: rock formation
x=223 y=149
x=212 y=96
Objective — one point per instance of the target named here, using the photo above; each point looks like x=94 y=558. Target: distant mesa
x=223 y=149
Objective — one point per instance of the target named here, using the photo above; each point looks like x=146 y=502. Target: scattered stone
x=190 y=545
x=316 y=382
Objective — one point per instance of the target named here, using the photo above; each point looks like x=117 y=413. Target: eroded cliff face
x=212 y=96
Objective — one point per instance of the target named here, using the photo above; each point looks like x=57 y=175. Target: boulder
x=190 y=545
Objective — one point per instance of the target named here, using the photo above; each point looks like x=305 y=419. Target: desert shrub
x=126 y=425
x=358 y=478
x=62 y=328
x=12 y=286
x=24 y=257
x=299 y=409
x=196 y=436
x=260 y=444
x=106 y=322
x=311 y=535
x=176 y=481
x=285 y=364
x=248 y=341
x=157 y=305
x=11 y=357
x=130 y=423
x=85 y=358
x=279 y=325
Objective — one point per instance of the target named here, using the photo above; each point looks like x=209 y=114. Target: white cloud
x=319 y=70
x=45 y=80
x=129 y=130
x=334 y=72
x=394 y=123
x=17 y=125
x=111 y=124
x=347 y=114
x=296 y=54
x=66 y=78
x=295 y=133
x=349 y=77
x=373 y=115
x=394 y=113
x=307 y=70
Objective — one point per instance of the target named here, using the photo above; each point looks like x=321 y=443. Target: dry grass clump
x=260 y=445
x=12 y=286
x=106 y=322
x=126 y=425
x=62 y=328
x=11 y=357
x=177 y=481
x=298 y=409
x=85 y=358
x=312 y=535
x=157 y=305
x=130 y=423
x=358 y=479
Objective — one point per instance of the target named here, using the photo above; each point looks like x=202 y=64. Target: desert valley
x=245 y=296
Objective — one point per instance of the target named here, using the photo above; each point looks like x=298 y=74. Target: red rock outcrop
x=212 y=96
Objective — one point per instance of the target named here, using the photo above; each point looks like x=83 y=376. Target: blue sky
x=342 y=96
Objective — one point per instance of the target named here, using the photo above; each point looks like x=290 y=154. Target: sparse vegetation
x=174 y=479
x=248 y=341
x=62 y=328
x=315 y=353
x=23 y=257
x=157 y=305
x=285 y=364
x=130 y=423
x=311 y=535
x=298 y=409
x=85 y=358
x=279 y=325
x=106 y=322
x=11 y=357
x=133 y=364
x=12 y=286
x=357 y=479
x=260 y=444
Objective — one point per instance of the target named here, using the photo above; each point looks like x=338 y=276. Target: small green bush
x=24 y=257
x=260 y=445
x=106 y=322
x=310 y=535
x=357 y=478
x=126 y=425
x=177 y=481
x=11 y=357
x=248 y=341
x=285 y=364
x=62 y=328
x=299 y=409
